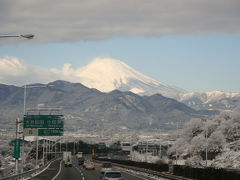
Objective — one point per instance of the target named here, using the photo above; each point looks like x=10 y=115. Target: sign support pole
x=55 y=149
x=60 y=144
x=17 y=132
x=36 y=151
x=24 y=112
x=74 y=148
x=48 y=148
x=43 y=151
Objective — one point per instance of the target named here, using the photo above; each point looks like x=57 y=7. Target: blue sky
x=191 y=45
x=195 y=63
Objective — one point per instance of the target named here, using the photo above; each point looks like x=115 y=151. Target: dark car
x=106 y=166
x=80 y=161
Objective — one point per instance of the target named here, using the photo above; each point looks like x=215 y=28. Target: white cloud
x=73 y=20
x=15 y=71
x=12 y=67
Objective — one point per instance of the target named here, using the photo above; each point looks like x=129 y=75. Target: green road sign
x=43 y=121
x=16 y=153
x=50 y=132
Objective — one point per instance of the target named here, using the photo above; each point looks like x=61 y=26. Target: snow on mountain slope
x=106 y=74
x=214 y=100
x=208 y=97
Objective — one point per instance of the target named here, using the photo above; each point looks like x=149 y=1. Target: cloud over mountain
x=104 y=74
x=73 y=20
x=108 y=74
x=16 y=72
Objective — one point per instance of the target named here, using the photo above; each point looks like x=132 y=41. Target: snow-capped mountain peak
x=107 y=74
x=209 y=96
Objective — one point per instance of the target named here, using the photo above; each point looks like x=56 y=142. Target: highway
x=57 y=171
x=78 y=173
x=50 y=172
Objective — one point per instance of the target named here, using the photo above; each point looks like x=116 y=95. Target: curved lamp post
x=27 y=36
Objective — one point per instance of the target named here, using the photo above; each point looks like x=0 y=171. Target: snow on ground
x=229 y=159
x=135 y=156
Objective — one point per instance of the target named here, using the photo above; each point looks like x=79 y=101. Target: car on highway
x=106 y=166
x=89 y=165
x=112 y=175
x=80 y=161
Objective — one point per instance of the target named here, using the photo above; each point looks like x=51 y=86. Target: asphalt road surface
x=79 y=173
x=48 y=174
x=58 y=171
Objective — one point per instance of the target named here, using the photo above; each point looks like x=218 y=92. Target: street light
x=206 y=143
x=27 y=36
x=206 y=140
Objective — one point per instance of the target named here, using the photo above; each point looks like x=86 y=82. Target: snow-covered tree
x=197 y=145
x=222 y=134
x=193 y=128
x=216 y=142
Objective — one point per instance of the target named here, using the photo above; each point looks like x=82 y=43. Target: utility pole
x=74 y=151
x=206 y=140
x=206 y=143
x=66 y=146
x=176 y=141
x=146 y=158
x=160 y=145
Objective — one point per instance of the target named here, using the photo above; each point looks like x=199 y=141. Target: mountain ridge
x=86 y=107
x=106 y=74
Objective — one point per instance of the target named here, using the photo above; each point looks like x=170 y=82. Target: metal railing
x=148 y=171
x=31 y=173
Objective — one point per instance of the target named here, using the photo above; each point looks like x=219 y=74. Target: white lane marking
x=135 y=175
x=34 y=175
x=80 y=172
x=153 y=177
x=60 y=168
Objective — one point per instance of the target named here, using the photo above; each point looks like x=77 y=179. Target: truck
x=79 y=155
x=80 y=158
x=67 y=159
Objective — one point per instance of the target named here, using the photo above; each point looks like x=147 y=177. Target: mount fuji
x=107 y=74
x=110 y=74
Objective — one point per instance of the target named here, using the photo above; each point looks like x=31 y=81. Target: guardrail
x=29 y=174
x=177 y=172
x=156 y=173
x=208 y=173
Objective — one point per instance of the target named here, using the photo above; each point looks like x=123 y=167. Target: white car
x=112 y=175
